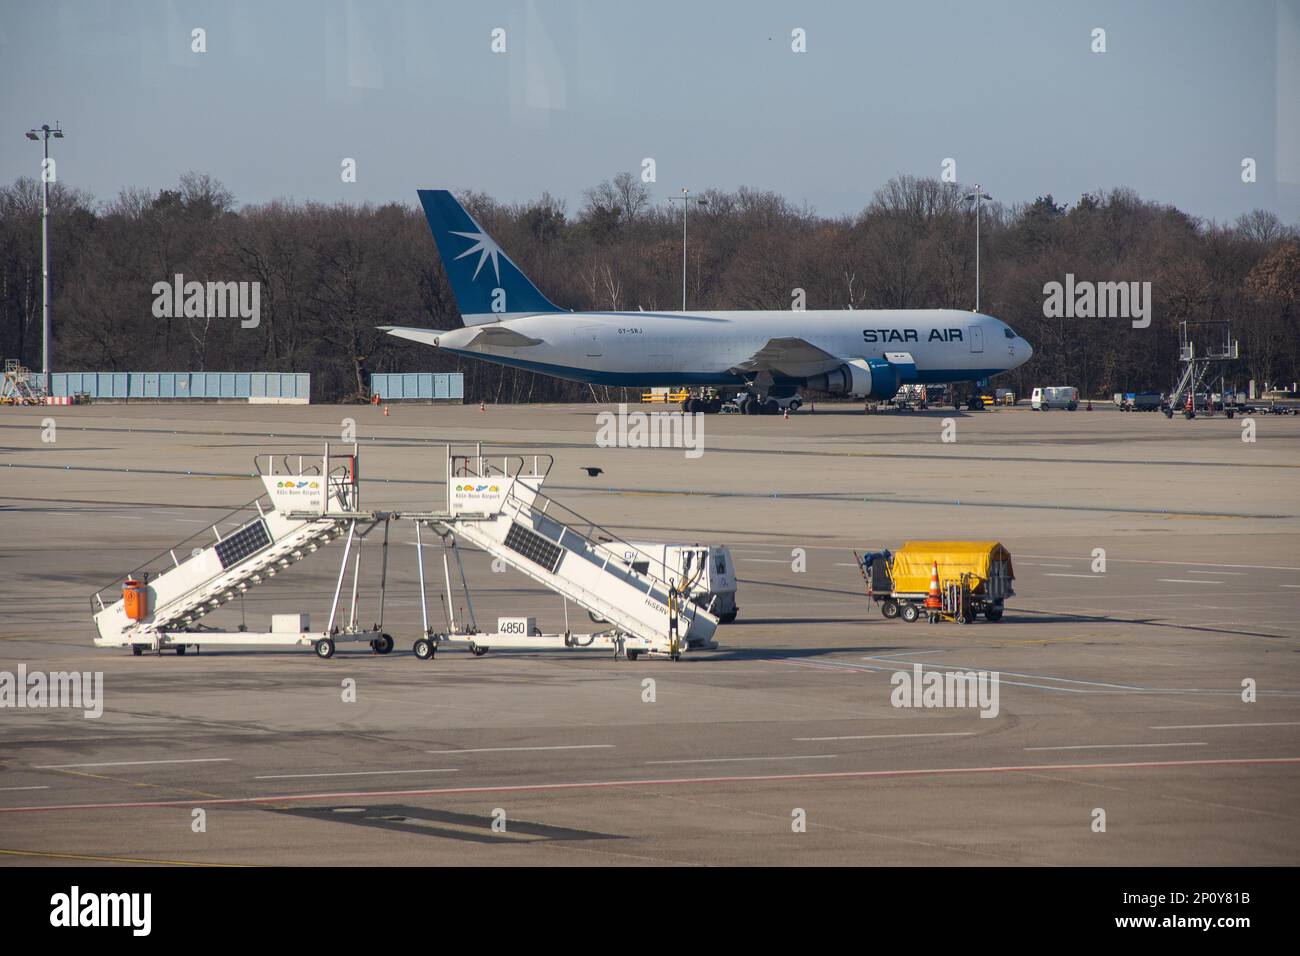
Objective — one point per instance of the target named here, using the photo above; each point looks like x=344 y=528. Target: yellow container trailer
x=974 y=577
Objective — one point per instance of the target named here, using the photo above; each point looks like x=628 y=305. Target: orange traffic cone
x=933 y=602
x=787 y=413
x=480 y=407
x=385 y=411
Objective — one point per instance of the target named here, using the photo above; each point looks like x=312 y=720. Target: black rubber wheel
x=324 y=648
x=993 y=614
x=136 y=650
x=180 y=650
x=771 y=407
x=477 y=651
x=796 y=405
x=727 y=618
x=384 y=644
x=910 y=613
x=889 y=609
x=632 y=654
x=423 y=649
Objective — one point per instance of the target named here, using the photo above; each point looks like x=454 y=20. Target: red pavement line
x=666 y=782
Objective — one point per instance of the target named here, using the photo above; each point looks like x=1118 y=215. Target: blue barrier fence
x=428 y=386
x=179 y=386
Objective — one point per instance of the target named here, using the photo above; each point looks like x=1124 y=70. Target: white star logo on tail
x=486 y=249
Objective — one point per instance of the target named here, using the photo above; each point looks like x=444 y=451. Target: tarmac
x=1148 y=712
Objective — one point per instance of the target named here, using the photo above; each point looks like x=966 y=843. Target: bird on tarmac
x=592 y=472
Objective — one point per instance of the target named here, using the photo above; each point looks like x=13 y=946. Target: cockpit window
x=1008 y=333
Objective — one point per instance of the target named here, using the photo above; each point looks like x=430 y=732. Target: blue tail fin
x=487 y=285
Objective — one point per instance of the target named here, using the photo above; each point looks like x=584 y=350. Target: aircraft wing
x=790 y=357
x=495 y=335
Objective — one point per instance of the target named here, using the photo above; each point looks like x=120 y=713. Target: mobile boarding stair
x=302 y=510
x=496 y=505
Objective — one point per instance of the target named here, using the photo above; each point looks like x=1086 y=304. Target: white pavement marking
x=129 y=763
x=1185 y=564
x=1187 y=581
x=679 y=781
x=1291 y=585
x=961 y=667
x=488 y=750
x=1235 y=574
x=745 y=759
x=1281 y=723
x=1062 y=574
x=961 y=733
x=351 y=773
x=11 y=789
x=1198 y=743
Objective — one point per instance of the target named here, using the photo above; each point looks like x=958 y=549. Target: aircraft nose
x=1029 y=349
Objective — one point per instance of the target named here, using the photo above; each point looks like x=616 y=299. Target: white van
x=1055 y=396
x=714 y=587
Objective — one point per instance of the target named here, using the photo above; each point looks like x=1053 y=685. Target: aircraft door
x=586 y=340
x=976 y=338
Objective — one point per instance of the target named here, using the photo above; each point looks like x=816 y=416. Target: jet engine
x=867 y=378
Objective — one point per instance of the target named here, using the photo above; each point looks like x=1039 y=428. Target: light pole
x=44 y=134
x=978 y=197
x=686 y=199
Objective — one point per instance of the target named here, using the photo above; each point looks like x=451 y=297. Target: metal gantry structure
x=1205 y=348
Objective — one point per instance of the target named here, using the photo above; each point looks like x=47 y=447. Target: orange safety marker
x=933 y=602
x=787 y=413
x=480 y=406
x=385 y=411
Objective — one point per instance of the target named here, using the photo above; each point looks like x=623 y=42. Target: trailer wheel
x=910 y=613
x=424 y=649
x=632 y=653
x=324 y=648
x=383 y=643
x=180 y=650
x=993 y=614
x=727 y=618
x=889 y=609
x=136 y=650
x=477 y=651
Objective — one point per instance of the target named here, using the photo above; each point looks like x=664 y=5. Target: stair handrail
x=170 y=553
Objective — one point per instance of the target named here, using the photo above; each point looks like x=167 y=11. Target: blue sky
x=412 y=91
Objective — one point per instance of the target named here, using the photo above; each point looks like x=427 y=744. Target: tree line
x=330 y=274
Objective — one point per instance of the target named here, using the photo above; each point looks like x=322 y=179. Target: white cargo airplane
x=766 y=357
